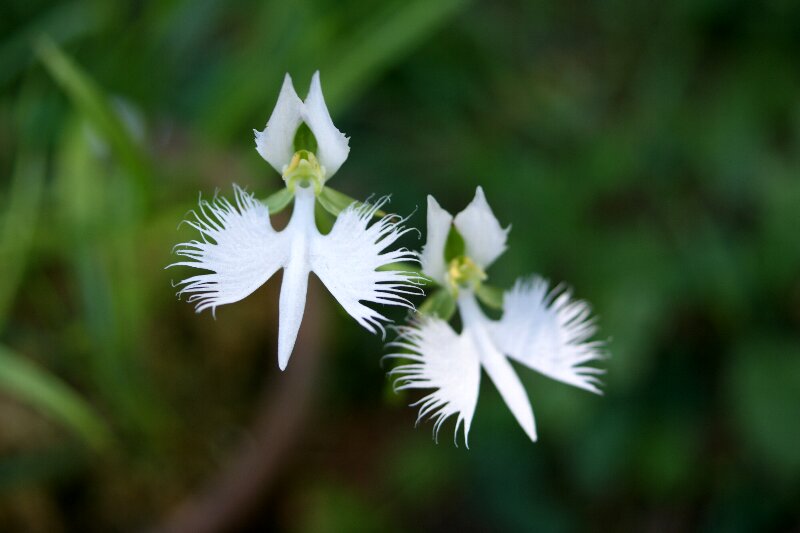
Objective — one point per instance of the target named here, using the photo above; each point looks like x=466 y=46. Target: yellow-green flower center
x=304 y=169
x=463 y=272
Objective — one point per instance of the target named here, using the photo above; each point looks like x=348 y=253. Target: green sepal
x=304 y=139
x=454 y=246
x=408 y=267
x=490 y=296
x=323 y=219
x=440 y=304
x=335 y=202
x=278 y=201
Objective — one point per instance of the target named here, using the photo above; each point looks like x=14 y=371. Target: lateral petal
x=444 y=361
x=549 y=332
x=347 y=260
x=238 y=247
x=276 y=142
x=332 y=144
x=485 y=240
x=432 y=256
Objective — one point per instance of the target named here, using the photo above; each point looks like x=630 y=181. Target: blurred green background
x=646 y=153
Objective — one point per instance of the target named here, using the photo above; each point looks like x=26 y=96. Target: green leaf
x=335 y=202
x=276 y=202
x=490 y=296
x=33 y=385
x=18 y=224
x=440 y=304
x=92 y=102
x=454 y=246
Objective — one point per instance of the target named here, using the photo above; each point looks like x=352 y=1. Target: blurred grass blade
x=91 y=101
x=64 y=22
x=380 y=44
x=18 y=224
x=32 y=385
x=100 y=227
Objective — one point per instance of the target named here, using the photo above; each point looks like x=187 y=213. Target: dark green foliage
x=644 y=153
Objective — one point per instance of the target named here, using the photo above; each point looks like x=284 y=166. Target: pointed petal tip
x=485 y=238
x=275 y=142
x=333 y=145
x=284 y=354
x=438 y=227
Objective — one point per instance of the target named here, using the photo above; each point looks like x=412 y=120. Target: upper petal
x=432 y=256
x=347 y=260
x=549 y=332
x=238 y=246
x=485 y=240
x=276 y=142
x=332 y=144
x=444 y=361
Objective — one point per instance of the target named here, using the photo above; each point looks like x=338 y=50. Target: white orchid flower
x=542 y=329
x=241 y=250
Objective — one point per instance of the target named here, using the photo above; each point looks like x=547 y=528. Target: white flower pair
x=241 y=250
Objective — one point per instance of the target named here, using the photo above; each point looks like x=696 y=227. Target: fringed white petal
x=485 y=240
x=332 y=145
x=348 y=258
x=432 y=257
x=238 y=246
x=444 y=361
x=276 y=142
x=549 y=332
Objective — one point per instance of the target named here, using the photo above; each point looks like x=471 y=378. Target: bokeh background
x=646 y=153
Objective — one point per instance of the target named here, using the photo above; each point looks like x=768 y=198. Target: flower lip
x=275 y=143
x=545 y=330
x=240 y=250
